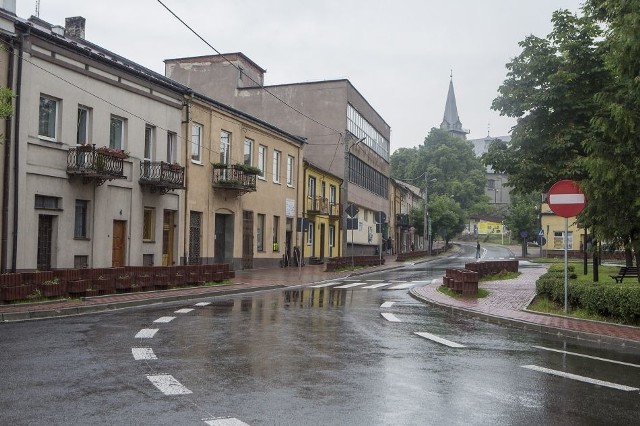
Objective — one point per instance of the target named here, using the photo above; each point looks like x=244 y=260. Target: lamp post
x=345 y=191
x=426 y=211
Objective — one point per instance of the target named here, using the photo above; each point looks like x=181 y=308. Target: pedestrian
x=412 y=247
x=478 y=250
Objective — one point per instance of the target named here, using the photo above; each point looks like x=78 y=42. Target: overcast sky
x=398 y=54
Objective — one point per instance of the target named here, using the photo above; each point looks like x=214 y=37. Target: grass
x=544 y=305
x=504 y=275
x=479 y=295
x=217 y=283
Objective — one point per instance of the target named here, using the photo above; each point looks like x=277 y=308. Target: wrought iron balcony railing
x=161 y=176
x=335 y=210
x=234 y=177
x=402 y=220
x=318 y=205
x=93 y=164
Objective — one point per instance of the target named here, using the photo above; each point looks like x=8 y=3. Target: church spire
x=451 y=120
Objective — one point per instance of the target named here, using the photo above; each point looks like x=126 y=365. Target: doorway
x=247 y=239
x=168 y=236
x=322 y=231
x=223 y=245
x=118 y=247
x=45 y=232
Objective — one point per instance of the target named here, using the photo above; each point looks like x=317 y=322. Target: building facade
x=345 y=135
x=243 y=187
x=91 y=143
x=405 y=198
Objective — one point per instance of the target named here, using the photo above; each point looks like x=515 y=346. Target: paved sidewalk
x=508 y=300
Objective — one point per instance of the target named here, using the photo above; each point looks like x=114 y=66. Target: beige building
x=95 y=175
x=243 y=187
x=322 y=209
x=404 y=198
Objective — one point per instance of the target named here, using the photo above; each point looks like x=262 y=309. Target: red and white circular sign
x=566 y=199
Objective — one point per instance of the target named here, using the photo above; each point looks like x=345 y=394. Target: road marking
x=581 y=378
x=225 y=422
x=146 y=333
x=422 y=282
x=350 y=285
x=143 y=353
x=168 y=385
x=324 y=285
x=628 y=364
x=401 y=286
x=165 y=319
x=184 y=311
x=376 y=285
x=203 y=303
x=390 y=317
x=439 y=339
x=373 y=281
x=387 y=304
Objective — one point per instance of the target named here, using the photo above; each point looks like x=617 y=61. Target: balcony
x=160 y=176
x=235 y=178
x=95 y=164
x=317 y=205
x=402 y=220
x=335 y=210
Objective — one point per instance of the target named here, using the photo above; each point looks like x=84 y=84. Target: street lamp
x=426 y=211
x=345 y=192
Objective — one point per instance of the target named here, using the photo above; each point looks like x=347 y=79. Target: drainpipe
x=6 y=165
x=187 y=166
x=16 y=158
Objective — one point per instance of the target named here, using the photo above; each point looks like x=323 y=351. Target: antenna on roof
x=38 y=8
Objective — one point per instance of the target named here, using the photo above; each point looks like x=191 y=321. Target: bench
x=626 y=272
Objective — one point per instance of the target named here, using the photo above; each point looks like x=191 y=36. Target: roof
x=411 y=188
x=320 y=169
x=218 y=58
x=451 y=120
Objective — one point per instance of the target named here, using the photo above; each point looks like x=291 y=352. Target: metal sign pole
x=566 y=262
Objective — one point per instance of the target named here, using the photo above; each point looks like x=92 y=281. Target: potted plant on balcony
x=174 y=167
x=247 y=169
x=220 y=165
x=113 y=152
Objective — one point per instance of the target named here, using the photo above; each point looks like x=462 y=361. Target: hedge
x=617 y=301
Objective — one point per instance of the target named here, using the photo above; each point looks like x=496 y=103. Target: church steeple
x=451 y=120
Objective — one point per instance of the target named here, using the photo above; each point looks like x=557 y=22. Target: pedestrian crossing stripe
x=376 y=285
x=350 y=285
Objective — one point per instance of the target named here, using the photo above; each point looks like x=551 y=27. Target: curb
x=600 y=340
x=28 y=315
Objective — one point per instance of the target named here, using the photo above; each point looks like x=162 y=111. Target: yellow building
x=243 y=190
x=322 y=211
x=553 y=229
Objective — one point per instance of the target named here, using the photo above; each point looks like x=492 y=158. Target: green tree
x=523 y=216
x=550 y=89
x=446 y=216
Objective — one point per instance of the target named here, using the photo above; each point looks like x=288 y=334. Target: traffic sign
x=541 y=233
x=566 y=199
x=352 y=210
x=380 y=216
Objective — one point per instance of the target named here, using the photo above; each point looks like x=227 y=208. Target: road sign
x=566 y=199
x=352 y=210
x=380 y=216
x=541 y=233
x=524 y=234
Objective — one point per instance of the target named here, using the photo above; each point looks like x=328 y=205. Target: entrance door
x=219 y=245
x=119 y=238
x=247 y=240
x=168 y=233
x=322 y=240
x=45 y=231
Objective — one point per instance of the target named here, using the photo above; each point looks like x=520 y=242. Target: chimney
x=74 y=27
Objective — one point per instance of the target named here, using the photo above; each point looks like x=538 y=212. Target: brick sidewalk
x=507 y=301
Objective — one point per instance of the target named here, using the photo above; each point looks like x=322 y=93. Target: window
x=116 y=133
x=225 y=147
x=147 y=260
x=276 y=233
x=558 y=240
x=332 y=236
x=148 y=142
x=80 y=261
x=195 y=237
x=310 y=230
x=48 y=120
x=148 y=224
x=311 y=187
x=82 y=135
x=196 y=142
x=289 y=170
x=171 y=147
x=260 y=232
x=248 y=151
x=47 y=203
x=491 y=184
x=262 y=160
x=361 y=128
x=276 y=166
x=366 y=215
x=332 y=194
x=80 y=227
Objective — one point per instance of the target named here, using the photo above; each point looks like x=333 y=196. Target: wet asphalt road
x=306 y=356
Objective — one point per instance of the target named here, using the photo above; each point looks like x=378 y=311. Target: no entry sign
x=566 y=199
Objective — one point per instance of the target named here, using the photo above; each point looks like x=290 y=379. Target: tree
x=449 y=160
x=550 y=89
x=447 y=217
x=523 y=215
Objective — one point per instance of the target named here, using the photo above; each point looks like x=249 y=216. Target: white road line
x=184 y=311
x=225 y=422
x=203 y=303
x=390 y=317
x=168 y=385
x=350 y=285
x=613 y=361
x=387 y=304
x=143 y=353
x=165 y=319
x=146 y=333
x=580 y=378
x=439 y=339
x=422 y=282
x=376 y=285
x=401 y=286
x=324 y=285
x=373 y=281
